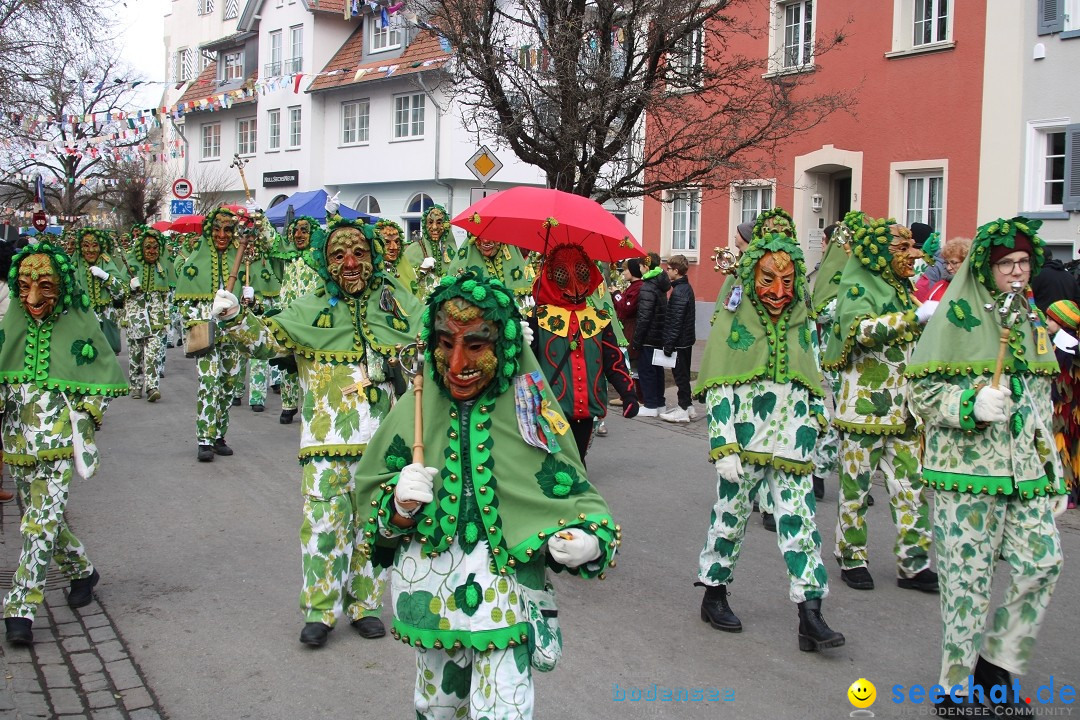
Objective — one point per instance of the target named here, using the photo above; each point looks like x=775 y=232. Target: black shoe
x=236 y=402
x=220 y=448
x=276 y=389
x=950 y=708
x=369 y=627
x=287 y=417
x=716 y=611
x=755 y=508
x=869 y=500
x=857 y=578
x=819 y=487
x=18 y=631
x=206 y=453
x=814 y=632
x=925 y=580
x=258 y=408
x=169 y=345
x=314 y=634
x=768 y=521
x=82 y=590
x=988 y=674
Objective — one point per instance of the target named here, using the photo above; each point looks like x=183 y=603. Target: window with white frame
x=233 y=65
x=924 y=199
x=683 y=221
x=930 y=22
x=273 y=124
x=211 y=141
x=295 y=63
x=686 y=62
x=752 y=201
x=408 y=116
x=1072 y=15
x=413 y=215
x=205 y=7
x=368 y=204
x=185 y=64
x=922 y=25
x=232 y=9
x=245 y=136
x=354 y=121
x=206 y=59
x=798 y=20
x=1045 y=171
x=386 y=37
x=274 y=68
x=294 y=127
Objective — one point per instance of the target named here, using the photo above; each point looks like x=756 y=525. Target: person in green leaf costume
x=430 y=256
x=100 y=277
x=494 y=259
x=991 y=459
x=56 y=373
x=876 y=326
x=148 y=313
x=475 y=535
x=264 y=284
x=762 y=385
x=299 y=278
x=397 y=267
x=342 y=337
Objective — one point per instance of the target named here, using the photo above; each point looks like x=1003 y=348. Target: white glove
x=526 y=332
x=252 y=207
x=415 y=483
x=729 y=467
x=225 y=305
x=428 y=263
x=332 y=204
x=99 y=273
x=583 y=547
x=248 y=293
x=925 y=311
x=990 y=405
x=135 y=284
x=1059 y=505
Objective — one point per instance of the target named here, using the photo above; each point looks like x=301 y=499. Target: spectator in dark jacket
x=1054 y=283
x=626 y=302
x=649 y=334
x=679 y=336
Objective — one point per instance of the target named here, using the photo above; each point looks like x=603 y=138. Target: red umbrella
x=187 y=224
x=162 y=225
x=540 y=218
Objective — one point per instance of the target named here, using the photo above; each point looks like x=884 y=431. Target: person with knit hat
x=872 y=339
x=980 y=382
x=743 y=234
x=57 y=373
x=1063 y=322
x=762 y=385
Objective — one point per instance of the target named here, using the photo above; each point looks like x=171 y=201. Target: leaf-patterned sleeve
x=721 y=403
x=250 y=332
x=93 y=405
x=115 y=286
x=884 y=329
x=942 y=403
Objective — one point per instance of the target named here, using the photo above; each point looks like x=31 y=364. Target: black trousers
x=582 y=430
x=681 y=375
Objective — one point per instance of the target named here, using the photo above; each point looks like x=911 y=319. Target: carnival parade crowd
x=949 y=367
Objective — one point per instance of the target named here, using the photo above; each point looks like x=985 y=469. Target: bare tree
x=567 y=85
x=212 y=183
x=136 y=194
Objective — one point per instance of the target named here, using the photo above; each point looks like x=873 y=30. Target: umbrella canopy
x=187 y=224
x=162 y=225
x=538 y=219
x=313 y=204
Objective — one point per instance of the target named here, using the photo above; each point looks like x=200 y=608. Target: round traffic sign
x=182 y=188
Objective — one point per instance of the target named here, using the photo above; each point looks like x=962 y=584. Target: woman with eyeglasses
x=953 y=254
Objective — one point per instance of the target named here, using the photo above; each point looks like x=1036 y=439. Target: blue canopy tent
x=313 y=204
x=50 y=229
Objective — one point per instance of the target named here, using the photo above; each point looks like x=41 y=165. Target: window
x=233 y=66
x=294 y=127
x=354 y=122
x=1052 y=190
x=185 y=64
x=368 y=204
x=754 y=200
x=211 y=141
x=413 y=215
x=205 y=7
x=273 y=69
x=686 y=62
x=206 y=59
x=245 y=136
x=409 y=116
x=1052 y=167
x=385 y=38
x=798 y=34
x=683 y=221
x=273 y=123
x=232 y=9
x=295 y=63
x=924 y=198
x=931 y=22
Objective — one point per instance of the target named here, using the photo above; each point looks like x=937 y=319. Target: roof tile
x=206 y=86
x=424 y=47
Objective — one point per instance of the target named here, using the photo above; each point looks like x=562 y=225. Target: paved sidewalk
x=79 y=666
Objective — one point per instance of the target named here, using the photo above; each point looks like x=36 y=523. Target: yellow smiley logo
x=862 y=693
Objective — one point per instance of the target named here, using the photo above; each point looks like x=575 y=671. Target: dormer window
x=233 y=66
x=386 y=37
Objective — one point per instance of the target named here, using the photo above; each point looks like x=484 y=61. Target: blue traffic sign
x=181 y=207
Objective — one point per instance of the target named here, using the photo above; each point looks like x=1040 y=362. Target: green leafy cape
x=827 y=282
x=508 y=266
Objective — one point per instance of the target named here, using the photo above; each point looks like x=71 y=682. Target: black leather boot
x=988 y=674
x=220 y=448
x=82 y=590
x=206 y=453
x=819 y=487
x=814 y=633
x=369 y=627
x=768 y=521
x=287 y=416
x=716 y=611
x=18 y=631
x=315 y=634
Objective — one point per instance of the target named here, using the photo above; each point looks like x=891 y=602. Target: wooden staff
x=1002 y=349
x=418 y=395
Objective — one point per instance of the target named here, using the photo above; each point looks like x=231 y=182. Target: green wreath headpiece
x=778 y=214
x=1003 y=232
x=773 y=242
x=104 y=239
x=137 y=246
x=318 y=252
x=208 y=221
x=71 y=294
x=423 y=220
x=871 y=245
x=498 y=306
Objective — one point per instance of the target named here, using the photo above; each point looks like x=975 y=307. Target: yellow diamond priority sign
x=483 y=164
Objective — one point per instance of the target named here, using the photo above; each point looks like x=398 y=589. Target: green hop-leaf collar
x=318 y=253
x=285 y=247
x=499 y=308
x=1004 y=232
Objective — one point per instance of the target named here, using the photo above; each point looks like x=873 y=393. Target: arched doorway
x=412 y=218
x=828 y=184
